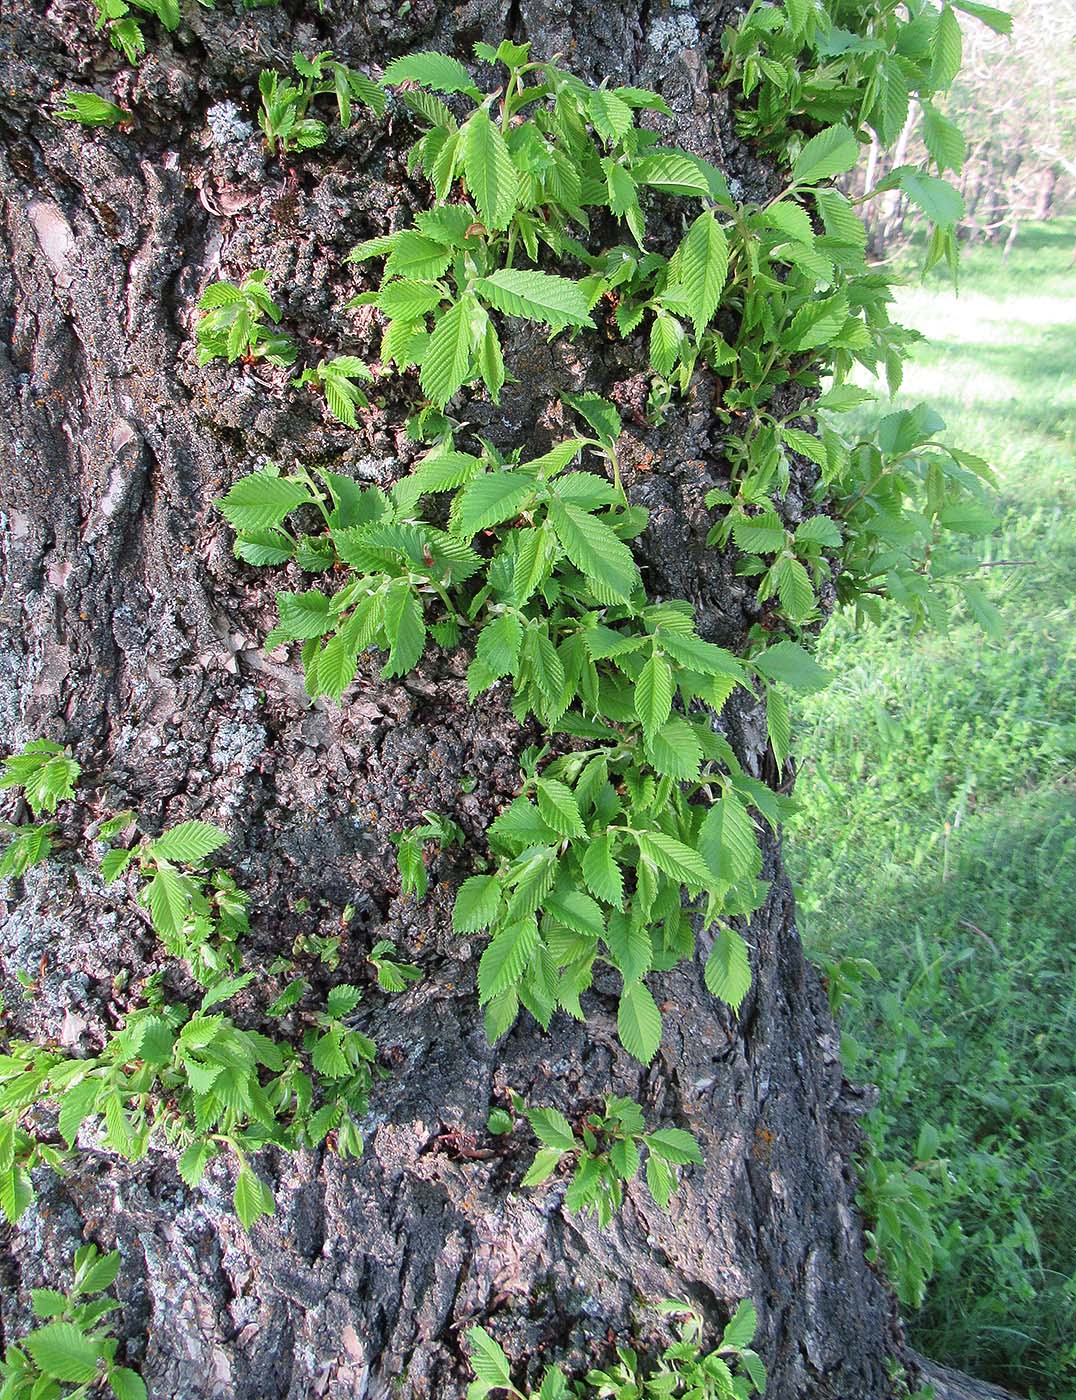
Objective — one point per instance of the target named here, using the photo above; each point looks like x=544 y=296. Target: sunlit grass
x=937 y=836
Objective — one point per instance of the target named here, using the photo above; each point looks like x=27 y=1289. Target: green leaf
x=778 y=726
x=193 y=1162
x=252 y=1198
x=488 y=1361
x=491 y=176
x=62 y=1351
x=1000 y=21
x=944 y=139
x=675 y=750
x=126 y=1384
x=794 y=589
x=820 y=530
x=448 y=355
x=939 y=201
x=169 y=902
x=505 y=958
x=552 y=1129
x=303 y=616
x=728 y=968
x=675 y=1145
x=758 y=534
x=189 y=842
x=16 y=1193
x=493 y=498
x=537 y=296
x=499 y=643
x=830 y=153
x=946 y=50
x=787 y=662
x=666 y=339
x=438 y=71
x=596 y=551
x=678 y=861
x=546 y=1161
x=660 y=1180
x=702 y=266
x=261 y=500
x=610 y=117
x=638 y=1022
x=602 y=873
x=727 y=841
x=405 y=627
x=559 y=808
x=816 y=323
x=602 y=415
x=477 y=902
x=631 y=947
x=407 y=300
x=740 y=1331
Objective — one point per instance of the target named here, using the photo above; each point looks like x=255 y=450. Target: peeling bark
x=131 y=633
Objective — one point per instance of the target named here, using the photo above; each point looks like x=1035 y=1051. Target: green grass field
x=937 y=838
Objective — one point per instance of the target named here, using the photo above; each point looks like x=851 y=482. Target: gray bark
x=131 y=633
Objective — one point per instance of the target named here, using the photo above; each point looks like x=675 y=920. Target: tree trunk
x=131 y=633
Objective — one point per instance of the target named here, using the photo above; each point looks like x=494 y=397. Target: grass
x=937 y=839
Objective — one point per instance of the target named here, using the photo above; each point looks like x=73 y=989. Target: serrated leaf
x=727 y=841
x=944 y=139
x=252 y=1198
x=740 y=1331
x=728 y=968
x=405 y=626
x=546 y=1161
x=558 y=807
x=262 y=500
x=169 y=902
x=676 y=860
x=702 y=266
x=126 y=1384
x=552 y=1128
x=819 y=530
x=602 y=873
x=675 y=1145
x=830 y=153
x=660 y=1180
x=492 y=499
x=188 y=842
x=491 y=176
x=405 y=299
x=415 y=256
x=675 y=750
x=595 y=550
x=946 y=50
x=488 y=1361
x=447 y=360
x=505 y=958
x=61 y=1351
x=793 y=588
x=611 y=117
x=788 y=662
x=778 y=726
x=438 y=71
x=477 y=902
x=638 y=1022
x=537 y=296
x=630 y=946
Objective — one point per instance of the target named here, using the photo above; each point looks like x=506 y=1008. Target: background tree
x=133 y=635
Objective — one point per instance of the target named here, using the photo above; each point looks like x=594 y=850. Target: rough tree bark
x=131 y=633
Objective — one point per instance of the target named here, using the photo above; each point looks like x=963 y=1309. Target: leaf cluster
x=72 y=1354
x=240 y=323
x=683 y=1369
x=605 y=1155
x=285 y=104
